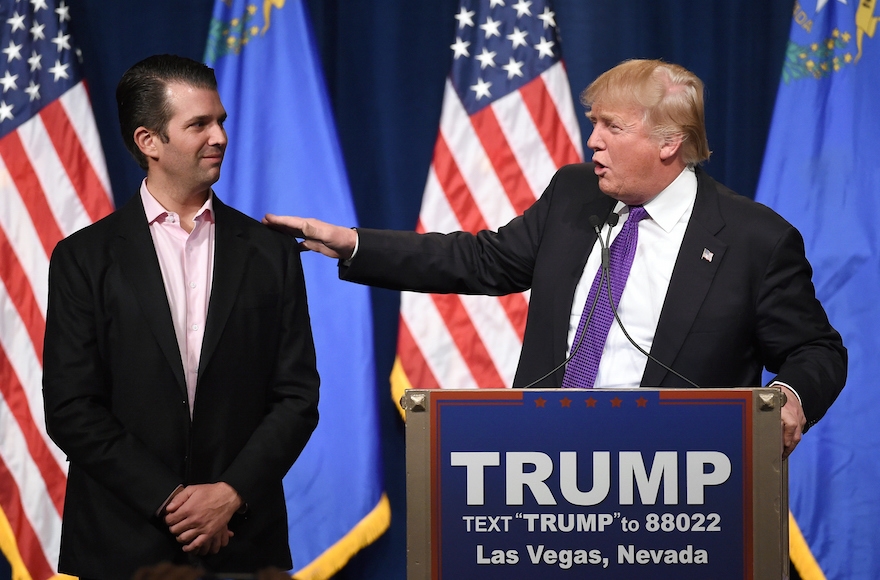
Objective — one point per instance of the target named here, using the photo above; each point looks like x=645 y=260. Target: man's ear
x=147 y=142
x=670 y=147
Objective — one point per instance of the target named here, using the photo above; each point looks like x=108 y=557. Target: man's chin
x=606 y=188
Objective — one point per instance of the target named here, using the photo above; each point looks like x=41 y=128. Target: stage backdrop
x=385 y=63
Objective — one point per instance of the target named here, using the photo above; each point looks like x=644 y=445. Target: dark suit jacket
x=752 y=306
x=116 y=400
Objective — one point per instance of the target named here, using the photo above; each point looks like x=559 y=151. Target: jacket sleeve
x=795 y=337
x=78 y=396
x=292 y=403
x=488 y=262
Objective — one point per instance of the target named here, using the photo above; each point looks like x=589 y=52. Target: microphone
x=594 y=221
x=606 y=249
x=606 y=259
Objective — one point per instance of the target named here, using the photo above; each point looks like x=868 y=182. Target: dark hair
x=141 y=96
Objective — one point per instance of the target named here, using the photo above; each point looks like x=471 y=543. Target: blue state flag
x=822 y=172
x=283 y=157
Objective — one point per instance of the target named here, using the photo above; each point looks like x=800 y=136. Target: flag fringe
x=9 y=547
x=367 y=531
x=399 y=385
x=801 y=555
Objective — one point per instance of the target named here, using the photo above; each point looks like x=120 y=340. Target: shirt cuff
x=165 y=503
x=787 y=386
x=357 y=243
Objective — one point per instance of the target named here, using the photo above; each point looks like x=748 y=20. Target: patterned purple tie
x=583 y=367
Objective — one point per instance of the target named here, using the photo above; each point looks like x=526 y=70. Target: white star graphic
x=482 y=89
x=16 y=21
x=8 y=81
x=39 y=5
x=12 y=52
x=491 y=27
x=63 y=11
x=465 y=17
x=494 y=3
x=59 y=70
x=518 y=37
x=486 y=58
x=62 y=41
x=37 y=31
x=548 y=17
x=460 y=47
x=5 y=111
x=545 y=48
x=34 y=61
x=820 y=4
x=522 y=8
x=513 y=68
x=33 y=90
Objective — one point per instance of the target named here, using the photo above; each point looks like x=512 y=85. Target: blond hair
x=670 y=96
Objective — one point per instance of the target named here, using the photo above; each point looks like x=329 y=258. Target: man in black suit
x=179 y=368
x=719 y=289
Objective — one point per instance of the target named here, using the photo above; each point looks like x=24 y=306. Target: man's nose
x=594 y=142
x=218 y=135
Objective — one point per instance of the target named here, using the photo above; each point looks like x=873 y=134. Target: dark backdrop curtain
x=385 y=63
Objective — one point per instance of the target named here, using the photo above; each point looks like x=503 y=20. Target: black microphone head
x=613 y=218
x=594 y=221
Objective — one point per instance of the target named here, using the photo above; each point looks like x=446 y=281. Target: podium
x=607 y=484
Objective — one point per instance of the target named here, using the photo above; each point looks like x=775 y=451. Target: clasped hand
x=199 y=515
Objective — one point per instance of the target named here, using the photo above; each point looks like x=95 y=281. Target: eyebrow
x=607 y=117
x=196 y=118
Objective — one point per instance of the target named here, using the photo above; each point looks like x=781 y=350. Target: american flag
x=53 y=181
x=507 y=125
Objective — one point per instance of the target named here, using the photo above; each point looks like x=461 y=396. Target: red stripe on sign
x=550 y=126
x=76 y=163
x=468 y=342
x=456 y=190
x=30 y=190
x=29 y=547
x=17 y=403
x=504 y=162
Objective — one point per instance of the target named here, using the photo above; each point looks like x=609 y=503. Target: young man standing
x=179 y=368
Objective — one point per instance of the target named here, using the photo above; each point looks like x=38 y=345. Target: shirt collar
x=154 y=210
x=674 y=201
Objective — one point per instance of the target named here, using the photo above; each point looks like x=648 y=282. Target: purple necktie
x=583 y=367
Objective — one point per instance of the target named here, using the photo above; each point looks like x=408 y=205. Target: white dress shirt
x=660 y=237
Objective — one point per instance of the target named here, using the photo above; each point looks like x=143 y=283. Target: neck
x=184 y=202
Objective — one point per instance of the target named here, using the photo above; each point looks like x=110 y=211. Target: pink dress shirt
x=187 y=263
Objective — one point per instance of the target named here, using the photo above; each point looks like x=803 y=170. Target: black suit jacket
x=116 y=400
x=752 y=306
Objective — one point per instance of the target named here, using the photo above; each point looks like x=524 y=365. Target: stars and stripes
x=507 y=125
x=53 y=181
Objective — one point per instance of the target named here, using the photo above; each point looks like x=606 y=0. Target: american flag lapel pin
x=707 y=255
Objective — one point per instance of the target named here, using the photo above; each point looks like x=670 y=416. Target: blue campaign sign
x=610 y=484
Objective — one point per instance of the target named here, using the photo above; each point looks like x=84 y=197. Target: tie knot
x=637 y=213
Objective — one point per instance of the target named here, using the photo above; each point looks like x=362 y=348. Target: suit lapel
x=133 y=250
x=230 y=257
x=698 y=261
